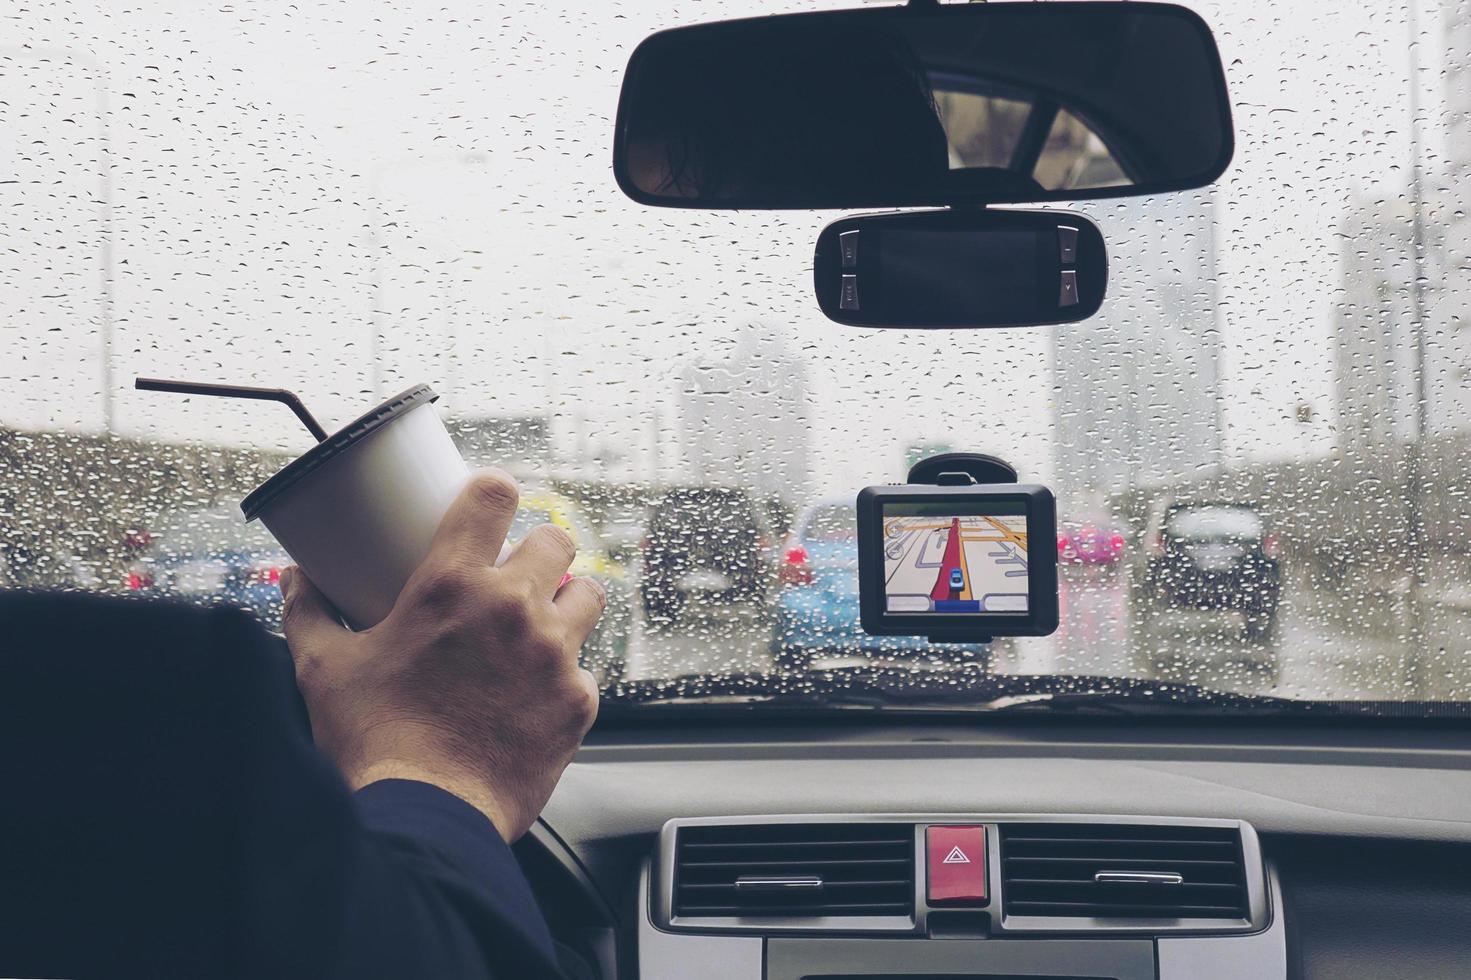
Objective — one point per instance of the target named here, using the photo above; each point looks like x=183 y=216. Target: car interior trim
x=665 y=917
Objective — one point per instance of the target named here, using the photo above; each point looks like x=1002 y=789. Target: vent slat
x=1119 y=831
x=1115 y=840
x=827 y=886
x=1096 y=851
x=1048 y=870
x=867 y=869
x=798 y=863
x=1105 y=858
x=774 y=846
x=1099 y=910
x=1090 y=883
x=827 y=908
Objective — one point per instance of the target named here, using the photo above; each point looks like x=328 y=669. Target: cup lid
x=334 y=445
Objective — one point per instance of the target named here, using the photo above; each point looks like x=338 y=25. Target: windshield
x=1258 y=445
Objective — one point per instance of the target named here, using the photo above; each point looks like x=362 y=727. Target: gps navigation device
x=957 y=563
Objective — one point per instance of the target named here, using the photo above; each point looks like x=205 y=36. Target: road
x=1318 y=653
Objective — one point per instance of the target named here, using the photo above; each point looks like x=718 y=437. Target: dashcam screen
x=953 y=558
x=932 y=273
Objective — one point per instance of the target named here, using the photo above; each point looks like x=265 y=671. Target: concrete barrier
x=71 y=505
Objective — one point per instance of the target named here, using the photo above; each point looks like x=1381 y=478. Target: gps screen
x=955 y=558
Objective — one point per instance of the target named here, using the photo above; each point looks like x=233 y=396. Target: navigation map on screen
x=937 y=562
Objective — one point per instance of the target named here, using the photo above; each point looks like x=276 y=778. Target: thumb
x=308 y=617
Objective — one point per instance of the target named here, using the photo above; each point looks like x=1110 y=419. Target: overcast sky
x=249 y=140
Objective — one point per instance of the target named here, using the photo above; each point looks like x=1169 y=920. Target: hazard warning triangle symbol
x=956 y=856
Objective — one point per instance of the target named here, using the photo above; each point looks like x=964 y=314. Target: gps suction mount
x=960 y=470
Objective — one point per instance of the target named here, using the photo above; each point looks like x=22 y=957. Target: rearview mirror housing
x=946 y=269
x=925 y=105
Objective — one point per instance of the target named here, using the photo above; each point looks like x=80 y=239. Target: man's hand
x=471 y=683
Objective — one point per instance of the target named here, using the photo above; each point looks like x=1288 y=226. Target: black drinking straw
x=281 y=395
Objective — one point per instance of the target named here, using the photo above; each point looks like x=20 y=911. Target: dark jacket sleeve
x=443 y=875
x=167 y=816
x=400 y=880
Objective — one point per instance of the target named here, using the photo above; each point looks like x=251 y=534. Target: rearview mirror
x=982 y=268
x=930 y=104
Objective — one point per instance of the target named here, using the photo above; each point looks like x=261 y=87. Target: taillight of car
x=1116 y=543
x=263 y=574
x=137 y=539
x=795 y=569
x=138 y=580
x=1270 y=546
x=1063 y=543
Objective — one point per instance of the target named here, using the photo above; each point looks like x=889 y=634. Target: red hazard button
x=956 y=857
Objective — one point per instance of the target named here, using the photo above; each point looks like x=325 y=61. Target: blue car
x=957 y=579
x=817 y=612
x=212 y=555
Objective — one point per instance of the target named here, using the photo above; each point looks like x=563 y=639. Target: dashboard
x=975 y=848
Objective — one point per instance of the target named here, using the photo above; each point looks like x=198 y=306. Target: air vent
x=794 y=870
x=1122 y=871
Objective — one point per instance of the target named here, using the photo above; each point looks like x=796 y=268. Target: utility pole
x=1215 y=325
x=1415 y=451
x=105 y=253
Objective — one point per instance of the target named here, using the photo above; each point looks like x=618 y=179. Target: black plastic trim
x=662 y=883
x=1090 y=265
x=1223 y=99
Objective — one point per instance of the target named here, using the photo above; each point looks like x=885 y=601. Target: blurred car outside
x=709 y=552
x=817 y=607
x=1091 y=541
x=210 y=555
x=1215 y=555
x=606 y=651
x=622 y=529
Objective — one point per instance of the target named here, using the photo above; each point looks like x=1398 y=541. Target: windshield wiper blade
x=1156 y=699
x=869 y=686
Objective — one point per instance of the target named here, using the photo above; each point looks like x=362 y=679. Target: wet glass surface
x=345 y=202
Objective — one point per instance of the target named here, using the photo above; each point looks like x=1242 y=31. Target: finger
x=543 y=557
x=581 y=603
x=474 y=528
x=308 y=618
x=590 y=684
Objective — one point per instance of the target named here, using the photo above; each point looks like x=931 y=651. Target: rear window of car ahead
x=1215 y=522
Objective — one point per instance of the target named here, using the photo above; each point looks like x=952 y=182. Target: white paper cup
x=358 y=511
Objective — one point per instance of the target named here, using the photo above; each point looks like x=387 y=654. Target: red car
x=1089 y=543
